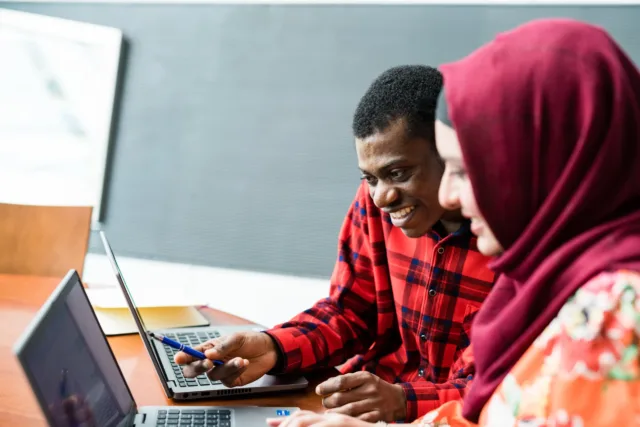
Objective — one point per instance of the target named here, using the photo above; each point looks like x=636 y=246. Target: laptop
x=77 y=381
x=178 y=387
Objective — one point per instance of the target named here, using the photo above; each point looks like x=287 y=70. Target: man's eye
x=370 y=180
x=398 y=174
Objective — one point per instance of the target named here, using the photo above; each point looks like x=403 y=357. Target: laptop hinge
x=167 y=385
x=139 y=419
x=156 y=356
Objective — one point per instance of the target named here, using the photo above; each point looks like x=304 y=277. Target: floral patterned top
x=582 y=371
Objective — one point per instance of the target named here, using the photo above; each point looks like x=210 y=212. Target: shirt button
x=440 y=250
x=423 y=336
x=432 y=292
x=421 y=372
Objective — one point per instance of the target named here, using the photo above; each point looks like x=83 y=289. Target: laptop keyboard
x=191 y=339
x=194 y=417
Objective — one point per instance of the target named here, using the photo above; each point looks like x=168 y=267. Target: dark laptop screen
x=69 y=362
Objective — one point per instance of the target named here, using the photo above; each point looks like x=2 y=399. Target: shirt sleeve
x=424 y=396
x=344 y=324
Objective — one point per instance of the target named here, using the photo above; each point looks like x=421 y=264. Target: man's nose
x=384 y=195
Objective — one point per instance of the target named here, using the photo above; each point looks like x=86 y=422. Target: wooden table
x=20 y=299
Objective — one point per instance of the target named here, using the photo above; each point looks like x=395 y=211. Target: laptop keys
x=194 y=417
x=192 y=339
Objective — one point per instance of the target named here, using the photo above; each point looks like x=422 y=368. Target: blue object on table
x=178 y=346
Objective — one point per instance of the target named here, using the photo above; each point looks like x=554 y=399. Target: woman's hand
x=311 y=419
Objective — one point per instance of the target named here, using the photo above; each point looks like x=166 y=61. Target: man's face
x=404 y=176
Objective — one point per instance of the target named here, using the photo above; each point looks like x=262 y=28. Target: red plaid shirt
x=400 y=308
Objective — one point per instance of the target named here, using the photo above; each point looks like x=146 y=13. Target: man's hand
x=247 y=356
x=365 y=396
x=310 y=419
x=73 y=411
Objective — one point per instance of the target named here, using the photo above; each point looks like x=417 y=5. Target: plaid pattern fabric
x=398 y=307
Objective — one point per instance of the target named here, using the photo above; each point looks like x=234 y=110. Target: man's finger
x=229 y=372
x=182 y=358
x=353 y=409
x=196 y=368
x=342 y=382
x=341 y=398
x=70 y=408
x=225 y=347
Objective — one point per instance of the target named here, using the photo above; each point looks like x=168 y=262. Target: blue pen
x=190 y=351
x=63 y=385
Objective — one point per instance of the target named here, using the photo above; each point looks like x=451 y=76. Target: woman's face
x=456 y=192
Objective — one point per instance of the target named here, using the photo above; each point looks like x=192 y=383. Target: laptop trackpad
x=285 y=381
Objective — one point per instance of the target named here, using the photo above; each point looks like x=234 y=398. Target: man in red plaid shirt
x=406 y=285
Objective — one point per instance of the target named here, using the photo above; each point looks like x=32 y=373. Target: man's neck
x=451 y=226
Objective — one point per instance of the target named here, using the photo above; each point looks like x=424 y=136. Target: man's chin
x=421 y=223
x=413 y=232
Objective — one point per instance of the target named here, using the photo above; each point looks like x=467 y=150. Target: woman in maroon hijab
x=540 y=132
x=543 y=155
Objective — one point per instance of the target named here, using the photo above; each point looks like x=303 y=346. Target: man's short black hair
x=407 y=92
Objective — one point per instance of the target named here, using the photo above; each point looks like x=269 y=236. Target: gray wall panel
x=233 y=143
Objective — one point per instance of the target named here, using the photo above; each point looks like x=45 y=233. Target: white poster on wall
x=58 y=80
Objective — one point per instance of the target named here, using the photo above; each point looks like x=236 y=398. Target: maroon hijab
x=548 y=118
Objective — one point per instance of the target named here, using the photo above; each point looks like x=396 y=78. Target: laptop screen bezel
x=142 y=330
x=58 y=297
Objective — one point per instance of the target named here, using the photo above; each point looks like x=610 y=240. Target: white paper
x=162 y=297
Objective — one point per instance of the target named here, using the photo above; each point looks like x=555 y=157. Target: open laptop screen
x=70 y=364
x=134 y=312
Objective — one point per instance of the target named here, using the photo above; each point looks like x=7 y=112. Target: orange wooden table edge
x=22 y=296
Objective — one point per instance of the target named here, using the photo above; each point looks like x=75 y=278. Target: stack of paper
x=159 y=309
